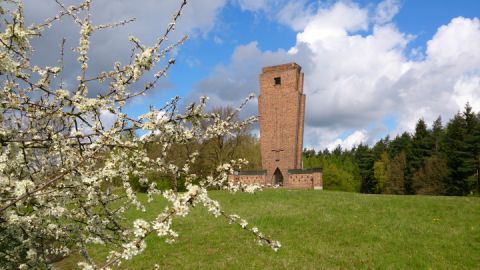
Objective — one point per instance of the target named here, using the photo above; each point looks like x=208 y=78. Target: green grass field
x=322 y=230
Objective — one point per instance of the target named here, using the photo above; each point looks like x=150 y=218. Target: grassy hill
x=323 y=230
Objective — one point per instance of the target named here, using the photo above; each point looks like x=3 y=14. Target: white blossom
x=66 y=176
x=243 y=223
x=85 y=266
x=141 y=227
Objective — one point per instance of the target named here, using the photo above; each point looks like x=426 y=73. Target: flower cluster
x=65 y=174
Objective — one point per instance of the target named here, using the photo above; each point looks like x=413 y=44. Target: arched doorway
x=278 y=177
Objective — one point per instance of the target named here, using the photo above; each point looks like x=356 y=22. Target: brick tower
x=281 y=106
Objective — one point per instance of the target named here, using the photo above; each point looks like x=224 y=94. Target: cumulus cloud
x=349 y=142
x=358 y=71
x=335 y=21
x=467 y=89
x=292 y=13
x=295 y=14
x=229 y=85
x=152 y=18
x=253 y=5
x=386 y=10
x=259 y=5
x=429 y=87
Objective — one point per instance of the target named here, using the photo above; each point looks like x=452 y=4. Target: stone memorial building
x=281 y=106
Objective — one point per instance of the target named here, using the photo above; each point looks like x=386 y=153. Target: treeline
x=211 y=153
x=440 y=160
x=435 y=160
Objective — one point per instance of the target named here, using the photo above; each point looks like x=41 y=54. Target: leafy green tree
x=476 y=146
x=403 y=144
x=337 y=151
x=380 y=147
x=240 y=143
x=316 y=161
x=440 y=160
x=224 y=147
x=395 y=183
x=458 y=156
x=472 y=140
x=340 y=171
x=430 y=179
x=249 y=149
x=422 y=144
x=437 y=134
x=380 y=172
x=337 y=178
x=308 y=153
x=365 y=160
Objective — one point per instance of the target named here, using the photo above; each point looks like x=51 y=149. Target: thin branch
x=48 y=183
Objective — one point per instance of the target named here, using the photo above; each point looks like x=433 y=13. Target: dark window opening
x=277 y=80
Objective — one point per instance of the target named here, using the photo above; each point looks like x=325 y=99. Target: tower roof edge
x=288 y=66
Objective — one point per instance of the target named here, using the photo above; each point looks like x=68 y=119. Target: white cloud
x=193 y=62
x=431 y=87
x=357 y=72
x=467 y=89
x=255 y=5
x=217 y=40
x=295 y=14
x=229 y=85
x=385 y=11
x=335 y=21
x=108 y=46
x=349 y=142
x=456 y=41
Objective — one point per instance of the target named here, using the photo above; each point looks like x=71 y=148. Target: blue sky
x=236 y=26
x=371 y=68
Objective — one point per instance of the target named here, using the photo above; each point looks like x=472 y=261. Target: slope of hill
x=324 y=230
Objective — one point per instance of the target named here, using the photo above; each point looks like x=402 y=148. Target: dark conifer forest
x=436 y=159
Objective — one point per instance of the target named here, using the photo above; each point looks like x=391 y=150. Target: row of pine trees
x=440 y=160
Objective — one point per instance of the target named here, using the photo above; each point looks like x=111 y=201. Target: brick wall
x=305 y=180
x=247 y=179
x=281 y=106
x=281 y=109
x=317 y=180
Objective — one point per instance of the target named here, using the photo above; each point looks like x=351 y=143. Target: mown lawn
x=322 y=230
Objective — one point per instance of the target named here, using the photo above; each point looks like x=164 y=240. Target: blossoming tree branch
x=59 y=158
